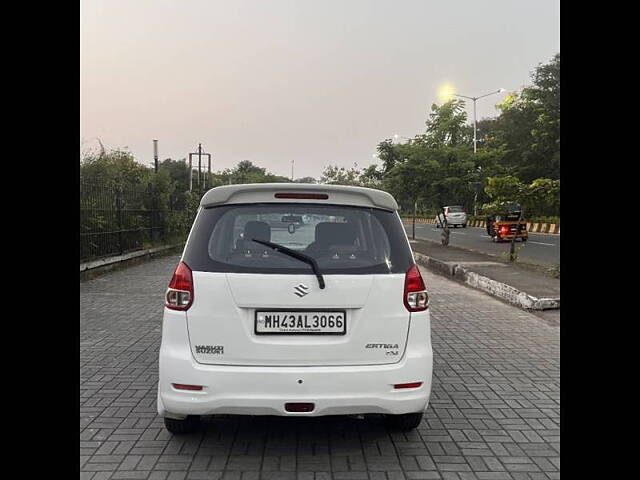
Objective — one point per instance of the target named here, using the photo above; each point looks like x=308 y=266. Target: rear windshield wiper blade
x=300 y=256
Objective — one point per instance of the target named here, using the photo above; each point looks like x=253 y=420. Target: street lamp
x=474 y=111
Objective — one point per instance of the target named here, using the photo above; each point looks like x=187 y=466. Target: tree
x=539 y=198
x=388 y=154
x=178 y=171
x=446 y=124
x=371 y=177
x=334 y=175
x=528 y=128
x=521 y=143
x=405 y=181
x=506 y=188
x=305 y=180
x=246 y=172
x=116 y=168
x=542 y=197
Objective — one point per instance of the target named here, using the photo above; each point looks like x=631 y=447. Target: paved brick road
x=494 y=411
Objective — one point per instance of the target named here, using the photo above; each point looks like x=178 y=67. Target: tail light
x=415 y=293
x=180 y=292
x=504 y=229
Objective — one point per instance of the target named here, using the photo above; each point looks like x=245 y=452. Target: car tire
x=464 y=225
x=181 y=427
x=496 y=239
x=406 y=421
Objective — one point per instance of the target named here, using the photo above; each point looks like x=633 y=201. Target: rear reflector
x=182 y=386
x=305 y=196
x=299 y=407
x=408 y=385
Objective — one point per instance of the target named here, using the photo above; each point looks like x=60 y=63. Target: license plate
x=305 y=322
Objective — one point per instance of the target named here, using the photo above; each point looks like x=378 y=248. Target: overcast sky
x=316 y=81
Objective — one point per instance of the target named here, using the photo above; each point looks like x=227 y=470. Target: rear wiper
x=297 y=255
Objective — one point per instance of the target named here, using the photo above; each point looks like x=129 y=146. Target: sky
x=317 y=82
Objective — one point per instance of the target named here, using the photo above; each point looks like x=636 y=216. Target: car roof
x=264 y=192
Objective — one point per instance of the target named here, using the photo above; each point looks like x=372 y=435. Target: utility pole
x=199 y=165
x=155 y=154
x=292 y=161
x=200 y=153
x=208 y=179
x=476 y=188
x=415 y=211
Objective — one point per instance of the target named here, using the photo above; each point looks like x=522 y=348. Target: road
x=541 y=248
x=494 y=411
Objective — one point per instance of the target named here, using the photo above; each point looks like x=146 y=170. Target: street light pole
x=475 y=122
x=475 y=134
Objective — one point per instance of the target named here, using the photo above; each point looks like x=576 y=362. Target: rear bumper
x=265 y=390
x=255 y=390
x=456 y=221
x=510 y=236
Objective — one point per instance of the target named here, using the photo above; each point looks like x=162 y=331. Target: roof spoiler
x=282 y=192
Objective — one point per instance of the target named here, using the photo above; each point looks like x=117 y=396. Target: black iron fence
x=115 y=220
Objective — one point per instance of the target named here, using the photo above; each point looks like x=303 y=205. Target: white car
x=329 y=318
x=455 y=216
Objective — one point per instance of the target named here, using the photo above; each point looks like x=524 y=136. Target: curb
x=96 y=267
x=494 y=288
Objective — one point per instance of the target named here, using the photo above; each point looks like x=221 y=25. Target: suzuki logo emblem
x=300 y=290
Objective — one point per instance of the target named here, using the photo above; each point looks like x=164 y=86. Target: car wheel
x=495 y=238
x=179 y=427
x=524 y=239
x=464 y=225
x=406 y=421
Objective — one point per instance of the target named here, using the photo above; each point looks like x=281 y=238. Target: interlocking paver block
x=494 y=412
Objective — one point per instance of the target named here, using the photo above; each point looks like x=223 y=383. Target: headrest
x=329 y=233
x=258 y=230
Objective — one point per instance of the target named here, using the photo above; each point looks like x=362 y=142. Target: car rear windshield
x=456 y=209
x=342 y=239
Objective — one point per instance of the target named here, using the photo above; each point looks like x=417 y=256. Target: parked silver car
x=455 y=216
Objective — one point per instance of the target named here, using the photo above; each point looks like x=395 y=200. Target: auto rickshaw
x=503 y=226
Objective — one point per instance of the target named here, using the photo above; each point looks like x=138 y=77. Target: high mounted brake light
x=180 y=292
x=305 y=196
x=415 y=293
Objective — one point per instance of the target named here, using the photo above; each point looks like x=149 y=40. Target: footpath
x=510 y=282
